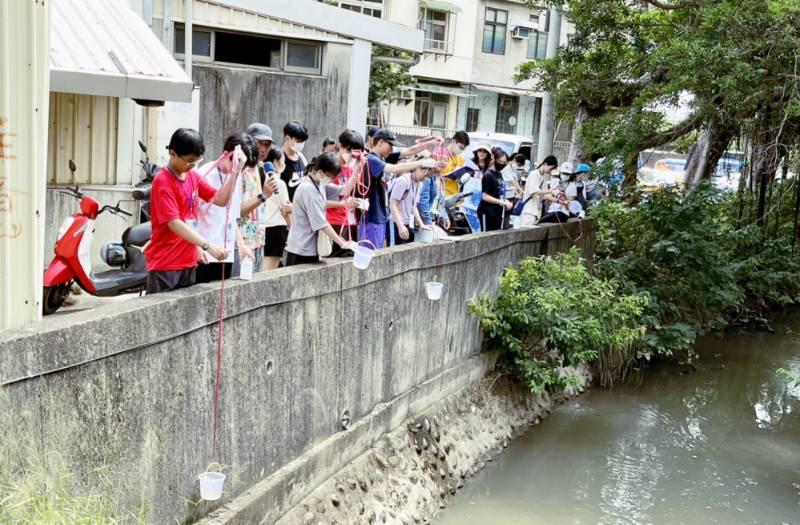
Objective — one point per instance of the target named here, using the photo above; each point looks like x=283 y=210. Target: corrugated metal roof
x=102 y=47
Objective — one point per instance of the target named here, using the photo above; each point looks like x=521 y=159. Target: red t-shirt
x=338 y=216
x=170 y=199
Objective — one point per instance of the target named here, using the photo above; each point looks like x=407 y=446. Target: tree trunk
x=706 y=152
x=575 y=151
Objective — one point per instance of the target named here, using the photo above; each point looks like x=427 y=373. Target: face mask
x=458 y=150
x=565 y=178
x=298 y=147
x=346 y=156
x=500 y=165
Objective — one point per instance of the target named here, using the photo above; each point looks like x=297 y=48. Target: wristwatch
x=204 y=247
x=261 y=197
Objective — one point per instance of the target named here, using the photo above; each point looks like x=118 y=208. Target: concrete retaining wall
x=130 y=386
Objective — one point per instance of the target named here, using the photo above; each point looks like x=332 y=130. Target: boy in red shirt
x=175 y=246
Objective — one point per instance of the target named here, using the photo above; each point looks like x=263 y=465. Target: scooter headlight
x=64 y=227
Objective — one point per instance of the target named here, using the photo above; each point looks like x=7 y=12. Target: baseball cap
x=566 y=168
x=583 y=168
x=384 y=134
x=260 y=131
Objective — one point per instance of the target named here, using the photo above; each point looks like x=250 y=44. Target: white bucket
x=246 y=269
x=425 y=236
x=211 y=485
x=362 y=255
x=434 y=290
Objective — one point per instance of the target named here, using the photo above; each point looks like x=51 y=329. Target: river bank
x=717 y=445
x=412 y=473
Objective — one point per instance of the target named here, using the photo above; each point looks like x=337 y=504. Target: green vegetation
x=38 y=488
x=552 y=313
x=674 y=266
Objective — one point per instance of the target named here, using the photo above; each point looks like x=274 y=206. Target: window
x=507 y=109
x=302 y=57
x=368 y=7
x=494 y=31
x=537 y=45
x=435 y=25
x=473 y=115
x=201 y=42
x=430 y=110
x=251 y=50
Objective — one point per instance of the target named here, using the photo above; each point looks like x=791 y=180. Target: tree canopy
x=737 y=60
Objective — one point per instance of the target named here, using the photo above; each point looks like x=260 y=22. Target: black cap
x=259 y=131
x=384 y=134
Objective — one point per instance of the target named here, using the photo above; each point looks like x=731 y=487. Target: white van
x=511 y=144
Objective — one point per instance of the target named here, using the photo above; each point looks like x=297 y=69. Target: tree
x=388 y=73
x=738 y=59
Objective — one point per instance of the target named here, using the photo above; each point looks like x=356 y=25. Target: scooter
x=459 y=225
x=72 y=261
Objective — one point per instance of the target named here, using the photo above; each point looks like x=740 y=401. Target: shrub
x=552 y=313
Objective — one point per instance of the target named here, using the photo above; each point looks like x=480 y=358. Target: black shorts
x=292 y=259
x=207 y=273
x=275 y=241
x=167 y=280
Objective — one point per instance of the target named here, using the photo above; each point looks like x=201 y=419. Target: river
x=719 y=445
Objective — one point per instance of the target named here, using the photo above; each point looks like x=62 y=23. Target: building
x=465 y=77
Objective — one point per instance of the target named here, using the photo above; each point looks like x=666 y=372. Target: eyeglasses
x=192 y=164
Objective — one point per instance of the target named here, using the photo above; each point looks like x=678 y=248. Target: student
x=277 y=212
x=219 y=224
x=513 y=191
x=481 y=158
x=558 y=211
x=403 y=200
x=294 y=140
x=493 y=204
x=256 y=189
x=328 y=145
x=455 y=148
x=428 y=200
x=340 y=211
x=308 y=216
x=175 y=246
x=536 y=188
x=373 y=225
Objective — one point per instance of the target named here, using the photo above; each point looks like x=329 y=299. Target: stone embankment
x=413 y=472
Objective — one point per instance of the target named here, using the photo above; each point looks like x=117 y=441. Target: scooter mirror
x=142 y=147
x=72 y=166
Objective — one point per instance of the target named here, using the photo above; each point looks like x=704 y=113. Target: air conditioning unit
x=520 y=32
x=405 y=94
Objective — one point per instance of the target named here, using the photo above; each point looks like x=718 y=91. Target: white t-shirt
x=273 y=216
x=211 y=218
x=509 y=176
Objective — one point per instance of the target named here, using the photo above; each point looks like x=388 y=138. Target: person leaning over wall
x=404 y=196
x=537 y=187
x=341 y=212
x=308 y=215
x=219 y=224
x=175 y=246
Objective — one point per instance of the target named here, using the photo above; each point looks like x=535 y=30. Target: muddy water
x=720 y=445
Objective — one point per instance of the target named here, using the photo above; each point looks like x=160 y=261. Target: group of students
x=555 y=194
x=269 y=204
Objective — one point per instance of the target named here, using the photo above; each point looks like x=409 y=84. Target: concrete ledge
x=130 y=387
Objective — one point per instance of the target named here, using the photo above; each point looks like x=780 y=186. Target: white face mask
x=346 y=157
x=298 y=146
x=565 y=178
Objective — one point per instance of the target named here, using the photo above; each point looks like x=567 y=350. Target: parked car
x=665 y=172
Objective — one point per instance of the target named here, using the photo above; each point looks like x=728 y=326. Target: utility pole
x=548 y=123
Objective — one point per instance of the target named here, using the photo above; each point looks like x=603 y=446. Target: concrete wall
x=130 y=386
x=233 y=97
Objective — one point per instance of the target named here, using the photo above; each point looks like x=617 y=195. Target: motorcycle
x=459 y=225
x=72 y=263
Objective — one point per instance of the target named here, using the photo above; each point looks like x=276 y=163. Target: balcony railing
x=440 y=47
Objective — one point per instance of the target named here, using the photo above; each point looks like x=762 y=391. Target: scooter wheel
x=53 y=297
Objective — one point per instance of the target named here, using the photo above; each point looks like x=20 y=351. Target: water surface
x=720 y=445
